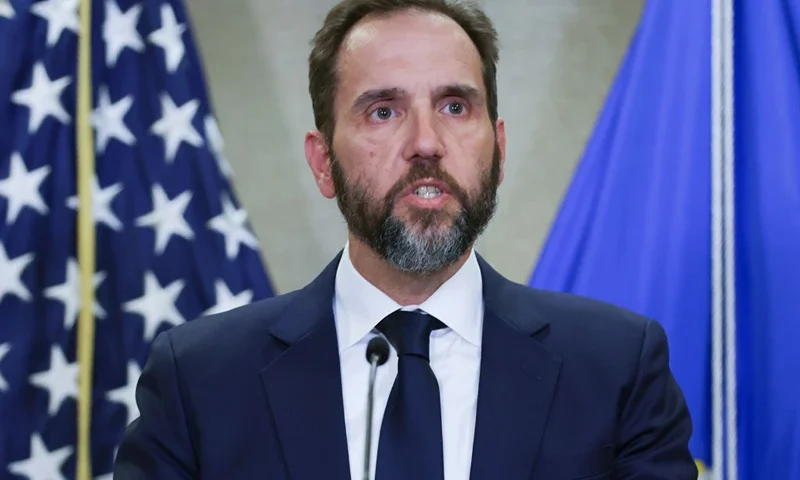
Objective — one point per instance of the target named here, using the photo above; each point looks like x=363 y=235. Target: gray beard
x=423 y=254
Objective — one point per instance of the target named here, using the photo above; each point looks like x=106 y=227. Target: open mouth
x=426 y=193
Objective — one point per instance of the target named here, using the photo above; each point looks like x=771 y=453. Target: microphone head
x=378 y=348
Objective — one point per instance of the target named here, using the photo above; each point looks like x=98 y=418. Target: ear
x=501 y=144
x=320 y=162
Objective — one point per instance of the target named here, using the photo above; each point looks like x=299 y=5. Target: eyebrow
x=459 y=90
x=377 y=94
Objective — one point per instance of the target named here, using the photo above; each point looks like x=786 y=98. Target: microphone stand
x=370 y=401
x=377 y=354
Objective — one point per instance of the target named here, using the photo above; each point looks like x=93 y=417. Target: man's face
x=415 y=163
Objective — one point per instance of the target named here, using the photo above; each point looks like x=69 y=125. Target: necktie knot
x=410 y=332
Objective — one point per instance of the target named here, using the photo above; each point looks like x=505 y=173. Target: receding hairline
x=363 y=31
x=349 y=16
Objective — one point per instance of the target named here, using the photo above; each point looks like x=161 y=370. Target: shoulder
x=587 y=330
x=230 y=336
x=615 y=379
x=563 y=312
x=602 y=347
x=581 y=315
x=565 y=319
x=244 y=336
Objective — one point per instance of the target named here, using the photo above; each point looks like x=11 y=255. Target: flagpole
x=729 y=215
x=86 y=241
x=717 y=318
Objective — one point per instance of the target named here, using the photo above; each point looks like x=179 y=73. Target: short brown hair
x=323 y=60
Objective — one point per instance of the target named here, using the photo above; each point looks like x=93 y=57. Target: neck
x=404 y=288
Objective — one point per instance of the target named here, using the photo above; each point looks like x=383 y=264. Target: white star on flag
x=108 y=119
x=60 y=379
x=225 y=300
x=11 y=274
x=6 y=10
x=69 y=293
x=157 y=304
x=4 y=349
x=60 y=15
x=21 y=188
x=126 y=394
x=175 y=125
x=231 y=223
x=119 y=31
x=43 y=98
x=43 y=464
x=169 y=38
x=167 y=218
x=216 y=144
x=101 y=204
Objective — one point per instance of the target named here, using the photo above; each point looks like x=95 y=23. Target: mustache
x=420 y=171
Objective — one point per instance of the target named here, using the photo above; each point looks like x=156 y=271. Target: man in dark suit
x=486 y=379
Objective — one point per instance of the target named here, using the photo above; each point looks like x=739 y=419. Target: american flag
x=172 y=241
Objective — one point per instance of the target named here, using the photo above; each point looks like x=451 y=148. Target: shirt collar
x=360 y=306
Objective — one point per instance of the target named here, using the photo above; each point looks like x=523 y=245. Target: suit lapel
x=302 y=381
x=518 y=379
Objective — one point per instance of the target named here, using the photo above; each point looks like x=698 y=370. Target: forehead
x=408 y=49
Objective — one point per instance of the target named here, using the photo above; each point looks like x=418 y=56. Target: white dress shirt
x=455 y=354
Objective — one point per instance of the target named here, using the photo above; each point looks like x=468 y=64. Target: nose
x=426 y=139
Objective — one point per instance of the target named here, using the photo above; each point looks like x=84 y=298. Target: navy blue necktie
x=410 y=442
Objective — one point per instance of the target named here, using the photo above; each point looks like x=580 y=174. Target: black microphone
x=377 y=354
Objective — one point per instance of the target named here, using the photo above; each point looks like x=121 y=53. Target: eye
x=381 y=113
x=455 y=108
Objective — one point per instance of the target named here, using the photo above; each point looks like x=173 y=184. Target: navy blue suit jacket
x=570 y=388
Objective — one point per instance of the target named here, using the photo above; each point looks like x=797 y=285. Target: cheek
x=374 y=178
x=370 y=152
x=470 y=139
x=485 y=148
x=359 y=157
x=468 y=160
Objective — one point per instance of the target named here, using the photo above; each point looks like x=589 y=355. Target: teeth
x=427 y=191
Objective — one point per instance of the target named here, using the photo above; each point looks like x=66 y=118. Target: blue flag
x=767 y=108
x=172 y=241
x=634 y=227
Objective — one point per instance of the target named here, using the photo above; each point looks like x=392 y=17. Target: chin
x=429 y=223
x=428 y=217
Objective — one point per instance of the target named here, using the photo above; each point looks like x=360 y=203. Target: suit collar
x=315 y=301
x=512 y=302
x=308 y=306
